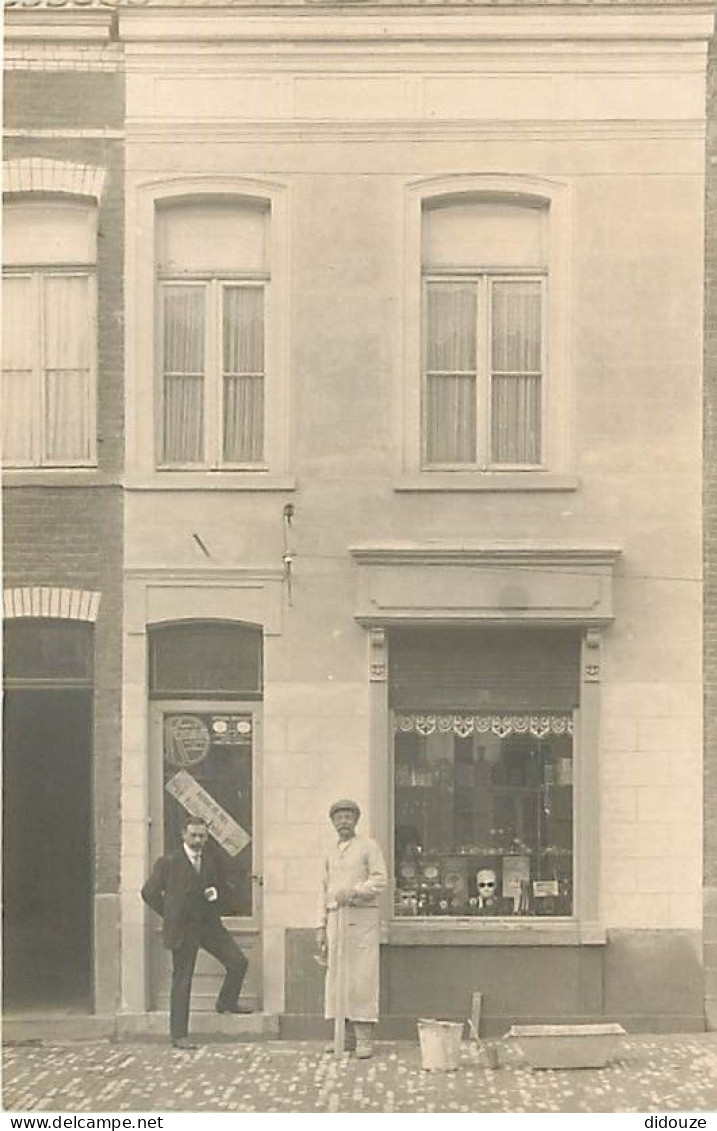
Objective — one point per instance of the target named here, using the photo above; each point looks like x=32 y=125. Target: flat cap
x=344 y=803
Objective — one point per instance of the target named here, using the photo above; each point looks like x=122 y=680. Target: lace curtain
x=46 y=349
x=184 y=320
x=190 y=314
x=457 y=325
x=243 y=439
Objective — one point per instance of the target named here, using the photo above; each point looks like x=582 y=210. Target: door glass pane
x=483 y=815
x=208 y=773
x=211 y=661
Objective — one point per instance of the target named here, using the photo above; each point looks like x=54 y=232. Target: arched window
x=485 y=388
x=484 y=266
x=205 y=660
x=213 y=274
x=48 y=340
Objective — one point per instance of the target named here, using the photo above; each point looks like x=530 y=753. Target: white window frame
x=213 y=387
x=483 y=281
x=37 y=275
x=557 y=467
x=143 y=407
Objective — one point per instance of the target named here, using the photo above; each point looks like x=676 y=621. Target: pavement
x=652 y=1074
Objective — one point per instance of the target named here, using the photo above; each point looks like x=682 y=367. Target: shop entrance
x=47 y=938
x=204 y=761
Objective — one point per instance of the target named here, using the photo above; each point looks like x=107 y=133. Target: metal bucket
x=440 y=1043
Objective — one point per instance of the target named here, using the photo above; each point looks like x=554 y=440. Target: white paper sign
x=195 y=799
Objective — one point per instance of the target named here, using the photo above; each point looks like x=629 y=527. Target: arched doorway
x=47 y=807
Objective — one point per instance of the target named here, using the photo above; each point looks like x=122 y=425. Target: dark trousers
x=217 y=941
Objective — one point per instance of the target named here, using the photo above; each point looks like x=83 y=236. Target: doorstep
x=59 y=1028
x=56 y=1027
x=202 y=1023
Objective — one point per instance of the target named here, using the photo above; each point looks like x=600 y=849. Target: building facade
x=63 y=442
x=410 y=495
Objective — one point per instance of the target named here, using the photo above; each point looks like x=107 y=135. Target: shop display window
x=483 y=811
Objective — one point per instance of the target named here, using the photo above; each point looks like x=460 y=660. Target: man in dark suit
x=186 y=889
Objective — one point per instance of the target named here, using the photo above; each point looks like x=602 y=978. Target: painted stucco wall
x=346 y=137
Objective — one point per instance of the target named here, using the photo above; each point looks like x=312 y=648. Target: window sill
x=505 y=932
x=57 y=477
x=486 y=481
x=210 y=481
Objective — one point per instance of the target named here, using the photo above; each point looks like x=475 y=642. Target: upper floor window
x=484 y=268
x=49 y=334
x=213 y=277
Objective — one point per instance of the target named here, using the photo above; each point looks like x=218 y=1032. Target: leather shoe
x=183 y=1043
x=237 y=1007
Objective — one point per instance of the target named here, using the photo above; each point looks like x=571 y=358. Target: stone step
x=59 y=1028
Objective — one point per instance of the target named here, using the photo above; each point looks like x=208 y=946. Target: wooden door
x=204 y=760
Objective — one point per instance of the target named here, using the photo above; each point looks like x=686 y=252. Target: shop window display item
x=489 y=796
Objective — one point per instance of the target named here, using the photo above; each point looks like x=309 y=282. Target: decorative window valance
x=539 y=726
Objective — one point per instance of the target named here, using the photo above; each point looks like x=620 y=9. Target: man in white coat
x=354 y=875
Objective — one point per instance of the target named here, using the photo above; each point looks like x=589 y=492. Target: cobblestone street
x=650 y=1074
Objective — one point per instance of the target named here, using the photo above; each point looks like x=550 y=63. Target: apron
x=348 y=866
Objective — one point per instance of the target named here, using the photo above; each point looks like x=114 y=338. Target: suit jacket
x=175 y=890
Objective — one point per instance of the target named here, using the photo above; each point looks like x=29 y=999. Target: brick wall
x=710 y=556
x=72 y=535
x=108 y=154
x=83 y=99
x=72 y=538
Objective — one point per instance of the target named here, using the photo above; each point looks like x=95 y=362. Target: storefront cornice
x=475 y=582
x=485 y=554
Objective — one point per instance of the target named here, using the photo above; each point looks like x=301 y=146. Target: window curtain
x=19 y=336
x=450 y=388
x=243 y=374
x=183 y=374
x=66 y=368
x=516 y=349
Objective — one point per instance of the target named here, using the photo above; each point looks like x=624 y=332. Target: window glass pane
x=47 y=650
x=450 y=416
x=184 y=329
x=450 y=387
x=183 y=366
x=20 y=338
x=243 y=350
x=66 y=350
x=243 y=330
x=483 y=815
x=66 y=315
x=208 y=763
x=516 y=337
x=206 y=659
x=451 y=327
x=516 y=389
x=516 y=420
x=243 y=419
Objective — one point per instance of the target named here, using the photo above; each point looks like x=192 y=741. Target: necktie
x=197 y=862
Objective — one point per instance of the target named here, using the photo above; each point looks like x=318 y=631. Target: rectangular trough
x=568 y=1046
